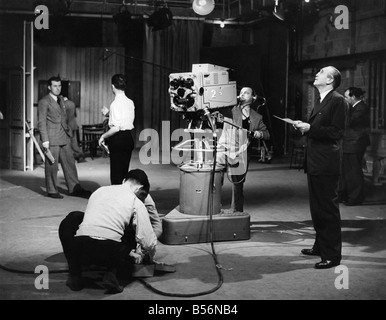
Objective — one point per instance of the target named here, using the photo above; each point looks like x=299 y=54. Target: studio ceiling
x=231 y=10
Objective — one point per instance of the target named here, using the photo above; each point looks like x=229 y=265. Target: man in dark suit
x=324 y=132
x=355 y=141
x=55 y=135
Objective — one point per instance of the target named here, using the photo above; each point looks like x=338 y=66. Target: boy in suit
x=71 y=114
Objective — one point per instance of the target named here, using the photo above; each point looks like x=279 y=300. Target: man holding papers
x=324 y=131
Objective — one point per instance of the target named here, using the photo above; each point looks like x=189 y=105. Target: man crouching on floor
x=115 y=228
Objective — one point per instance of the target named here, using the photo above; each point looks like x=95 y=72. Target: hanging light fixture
x=277 y=11
x=160 y=19
x=203 y=7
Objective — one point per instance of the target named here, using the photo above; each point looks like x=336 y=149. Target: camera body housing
x=206 y=87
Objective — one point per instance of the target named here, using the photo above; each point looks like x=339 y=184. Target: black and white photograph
x=193 y=157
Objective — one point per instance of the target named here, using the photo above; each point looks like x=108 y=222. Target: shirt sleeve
x=144 y=233
x=42 y=120
x=114 y=120
x=155 y=220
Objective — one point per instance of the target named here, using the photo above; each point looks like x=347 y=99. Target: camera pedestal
x=182 y=228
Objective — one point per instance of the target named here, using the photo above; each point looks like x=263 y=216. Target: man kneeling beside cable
x=115 y=228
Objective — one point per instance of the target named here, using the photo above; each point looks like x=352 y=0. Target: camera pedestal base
x=181 y=228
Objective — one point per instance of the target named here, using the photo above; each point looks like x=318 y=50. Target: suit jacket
x=53 y=122
x=356 y=135
x=70 y=110
x=323 y=151
x=256 y=123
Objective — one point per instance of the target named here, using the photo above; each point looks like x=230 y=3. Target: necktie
x=315 y=108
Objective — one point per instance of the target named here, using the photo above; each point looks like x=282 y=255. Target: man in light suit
x=324 y=132
x=56 y=137
x=356 y=139
x=250 y=126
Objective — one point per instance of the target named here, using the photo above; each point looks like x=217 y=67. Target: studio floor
x=268 y=266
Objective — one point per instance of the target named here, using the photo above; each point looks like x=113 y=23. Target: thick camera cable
x=29 y=272
x=214 y=255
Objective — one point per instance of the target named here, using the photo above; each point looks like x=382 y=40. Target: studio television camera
x=196 y=96
x=206 y=89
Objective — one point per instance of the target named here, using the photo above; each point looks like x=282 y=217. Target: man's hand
x=258 y=135
x=46 y=144
x=303 y=127
x=101 y=140
x=136 y=257
x=105 y=111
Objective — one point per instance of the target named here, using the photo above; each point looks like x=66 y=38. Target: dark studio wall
x=257 y=57
x=257 y=53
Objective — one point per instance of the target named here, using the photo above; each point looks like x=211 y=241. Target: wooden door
x=4 y=127
x=17 y=121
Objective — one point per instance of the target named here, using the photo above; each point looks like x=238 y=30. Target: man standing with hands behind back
x=356 y=139
x=56 y=137
x=324 y=132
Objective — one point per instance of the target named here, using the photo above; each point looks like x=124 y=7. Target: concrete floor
x=268 y=266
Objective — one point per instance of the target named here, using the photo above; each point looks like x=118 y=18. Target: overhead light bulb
x=203 y=7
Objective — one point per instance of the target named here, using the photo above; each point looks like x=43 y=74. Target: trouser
x=84 y=251
x=238 y=197
x=77 y=151
x=64 y=155
x=121 y=146
x=352 y=179
x=238 y=189
x=324 y=206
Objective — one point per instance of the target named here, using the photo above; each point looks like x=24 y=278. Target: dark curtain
x=171 y=50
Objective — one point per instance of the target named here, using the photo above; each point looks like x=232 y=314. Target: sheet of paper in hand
x=290 y=121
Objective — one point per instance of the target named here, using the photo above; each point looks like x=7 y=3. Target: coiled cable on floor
x=214 y=255
x=29 y=272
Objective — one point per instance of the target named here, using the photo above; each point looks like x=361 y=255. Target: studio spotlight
x=125 y=25
x=160 y=19
x=203 y=7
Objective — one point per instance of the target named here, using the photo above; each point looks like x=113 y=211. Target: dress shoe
x=111 y=283
x=327 y=264
x=80 y=192
x=75 y=283
x=310 y=252
x=55 y=195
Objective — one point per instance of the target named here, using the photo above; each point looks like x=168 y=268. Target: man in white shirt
x=100 y=239
x=119 y=137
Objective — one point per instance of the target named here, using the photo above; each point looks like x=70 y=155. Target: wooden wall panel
x=84 y=65
x=377 y=94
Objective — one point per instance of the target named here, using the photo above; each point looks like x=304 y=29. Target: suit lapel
x=320 y=106
x=54 y=103
x=237 y=116
x=253 y=116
